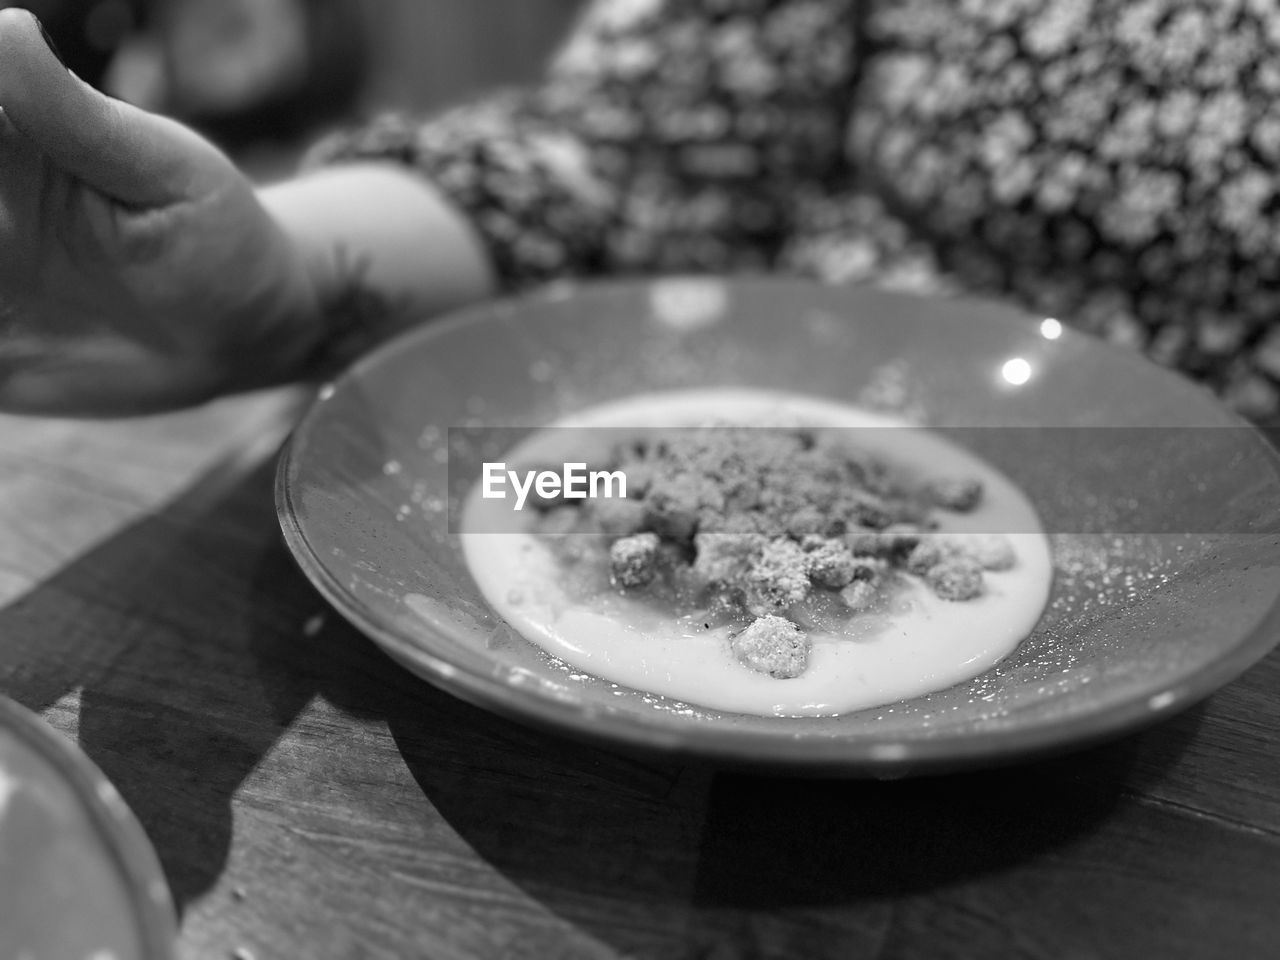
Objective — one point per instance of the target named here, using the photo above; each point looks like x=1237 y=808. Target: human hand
x=138 y=269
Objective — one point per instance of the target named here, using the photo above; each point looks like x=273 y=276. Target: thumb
x=133 y=156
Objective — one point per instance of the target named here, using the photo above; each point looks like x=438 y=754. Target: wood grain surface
x=310 y=799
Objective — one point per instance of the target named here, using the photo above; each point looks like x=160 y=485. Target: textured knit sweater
x=1114 y=163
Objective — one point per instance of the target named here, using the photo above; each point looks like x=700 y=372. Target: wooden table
x=310 y=799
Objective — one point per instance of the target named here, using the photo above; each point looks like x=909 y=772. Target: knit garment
x=1113 y=163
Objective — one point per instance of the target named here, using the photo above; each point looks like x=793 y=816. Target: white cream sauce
x=923 y=644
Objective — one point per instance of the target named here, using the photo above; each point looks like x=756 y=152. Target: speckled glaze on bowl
x=1139 y=624
x=78 y=877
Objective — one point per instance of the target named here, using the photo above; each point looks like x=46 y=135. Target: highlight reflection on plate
x=1164 y=508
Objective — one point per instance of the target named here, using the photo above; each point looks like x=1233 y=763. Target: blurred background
x=264 y=77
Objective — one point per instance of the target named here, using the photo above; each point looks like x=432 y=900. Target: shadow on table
x=661 y=860
x=183 y=634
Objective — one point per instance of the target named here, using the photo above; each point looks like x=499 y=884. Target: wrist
x=381 y=250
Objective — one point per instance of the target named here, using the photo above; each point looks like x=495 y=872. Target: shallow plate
x=1164 y=532
x=77 y=875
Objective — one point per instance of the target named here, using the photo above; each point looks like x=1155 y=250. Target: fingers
x=107 y=378
x=132 y=156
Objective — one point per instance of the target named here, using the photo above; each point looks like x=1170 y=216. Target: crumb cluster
x=774 y=529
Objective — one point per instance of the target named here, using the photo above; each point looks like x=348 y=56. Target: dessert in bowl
x=1158 y=509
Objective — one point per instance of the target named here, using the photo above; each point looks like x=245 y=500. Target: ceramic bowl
x=1163 y=507
x=78 y=876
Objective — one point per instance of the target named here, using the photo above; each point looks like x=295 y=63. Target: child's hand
x=137 y=268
